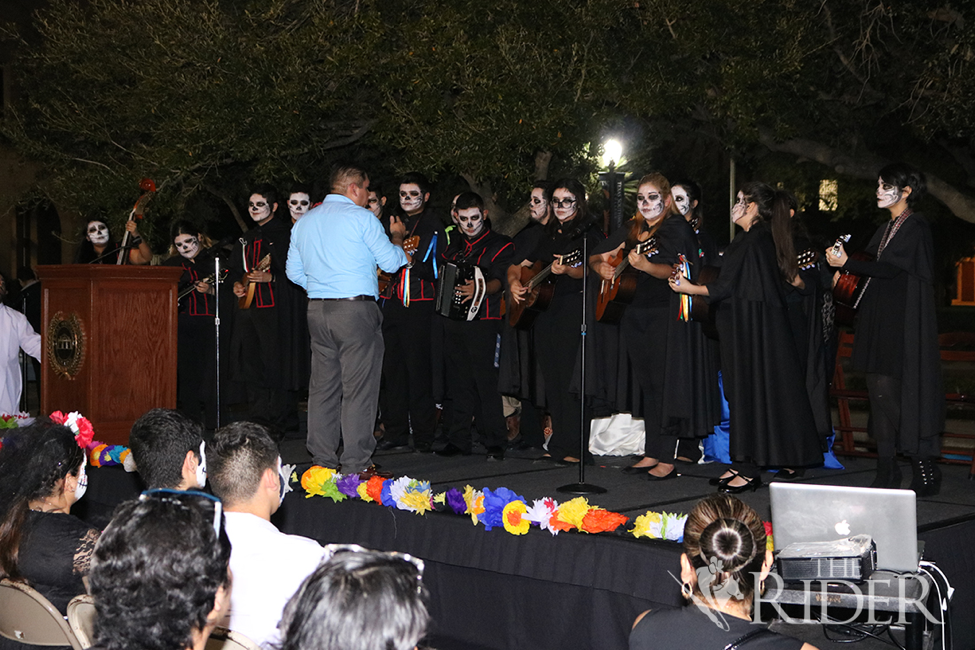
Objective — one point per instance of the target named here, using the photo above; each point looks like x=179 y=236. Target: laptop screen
x=821 y=513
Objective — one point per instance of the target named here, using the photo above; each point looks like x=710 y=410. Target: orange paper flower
x=598 y=520
x=374 y=488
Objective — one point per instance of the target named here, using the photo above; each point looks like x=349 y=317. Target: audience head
x=187 y=239
x=351 y=181
x=245 y=468
x=540 y=202
x=898 y=181
x=159 y=576
x=724 y=547
x=653 y=197
x=687 y=198
x=299 y=201
x=41 y=463
x=168 y=450
x=414 y=192
x=262 y=204
x=358 y=600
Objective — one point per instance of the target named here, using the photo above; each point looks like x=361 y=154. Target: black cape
x=772 y=423
x=897 y=329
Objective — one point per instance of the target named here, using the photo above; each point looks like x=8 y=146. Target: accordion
x=448 y=302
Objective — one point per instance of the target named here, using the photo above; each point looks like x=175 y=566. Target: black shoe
x=750 y=485
x=786 y=474
x=495 y=453
x=390 y=445
x=719 y=481
x=927 y=477
x=666 y=477
x=423 y=448
x=888 y=474
x=637 y=471
x=452 y=450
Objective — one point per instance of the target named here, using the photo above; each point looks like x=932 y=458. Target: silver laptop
x=821 y=513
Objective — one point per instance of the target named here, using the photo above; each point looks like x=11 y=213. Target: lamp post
x=612 y=183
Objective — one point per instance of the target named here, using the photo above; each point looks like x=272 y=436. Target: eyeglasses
x=331 y=550
x=563 y=203
x=187 y=497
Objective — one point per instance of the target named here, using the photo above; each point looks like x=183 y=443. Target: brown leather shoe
x=371 y=471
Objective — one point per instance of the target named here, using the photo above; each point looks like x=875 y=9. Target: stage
x=494 y=590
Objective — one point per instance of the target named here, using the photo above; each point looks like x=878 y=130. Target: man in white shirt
x=268 y=566
x=15 y=334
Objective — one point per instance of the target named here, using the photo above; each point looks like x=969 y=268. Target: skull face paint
x=411 y=198
x=187 y=245
x=298 y=204
x=471 y=221
x=259 y=208
x=650 y=202
x=565 y=204
x=538 y=206
x=740 y=208
x=97 y=233
x=681 y=200
x=375 y=204
x=887 y=194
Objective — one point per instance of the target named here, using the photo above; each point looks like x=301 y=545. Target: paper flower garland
x=99 y=453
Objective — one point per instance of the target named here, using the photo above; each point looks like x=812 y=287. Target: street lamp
x=612 y=183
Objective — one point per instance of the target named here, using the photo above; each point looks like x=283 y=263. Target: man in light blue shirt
x=335 y=249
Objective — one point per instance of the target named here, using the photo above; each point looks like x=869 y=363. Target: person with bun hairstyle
x=42 y=474
x=772 y=423
x=724 y=560
x=896 y=342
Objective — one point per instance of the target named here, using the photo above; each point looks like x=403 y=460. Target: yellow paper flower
x=315 y=478
x=440 y=498
x=572 y=512
x=418 y=502
x=363 y=493
x=647 y=525
x=475 y=502
x=512 y=518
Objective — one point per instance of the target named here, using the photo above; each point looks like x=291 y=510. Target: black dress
x=772 y=423
x=55 y=554
x=556 y=336
x=673 y=365
x=689 y=627
x=897 y=331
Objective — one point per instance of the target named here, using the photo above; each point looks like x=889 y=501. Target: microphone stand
x=216 y=324
x=582 y=487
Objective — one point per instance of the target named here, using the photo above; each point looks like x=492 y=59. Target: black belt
x=351 y=299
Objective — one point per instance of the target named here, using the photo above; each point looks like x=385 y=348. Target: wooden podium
x=109 y=343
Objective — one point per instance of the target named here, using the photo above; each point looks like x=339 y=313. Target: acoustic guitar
x=541 y=289
x=848 y=287
x=263 y=265
x=410 y=244
x=617 y=293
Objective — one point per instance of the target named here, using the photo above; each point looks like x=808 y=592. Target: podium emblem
x=66 y=345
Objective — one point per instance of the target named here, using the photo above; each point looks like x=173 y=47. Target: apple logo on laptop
x=843 y=528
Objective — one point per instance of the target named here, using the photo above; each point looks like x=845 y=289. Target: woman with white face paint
x=772 y=423
x=42 y=474
x=674 y=369
x=687 y=200
x=98 y=242
x=196 y=362
x=556 y=330
x=896 y=342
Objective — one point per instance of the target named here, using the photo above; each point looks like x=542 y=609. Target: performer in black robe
x=557 y=330
x=896 y=342
x=519 y=374
x=470 y=345
x=772 y=424
x=98 y=247
x=674 y=365
x=261 y=355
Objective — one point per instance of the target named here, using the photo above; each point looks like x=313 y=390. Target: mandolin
x=541 y=289
x=616 y=294
x=848 y=287
x=410 y=244
x=192 y=287
x=263 y=265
